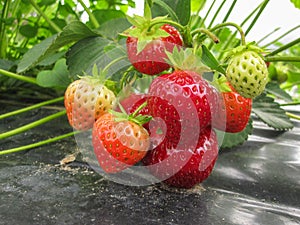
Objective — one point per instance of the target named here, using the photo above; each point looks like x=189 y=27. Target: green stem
x=286 y=46
x=263 y=6
x=18 y=77
x=207 y=32
x=171 y=22
x=216 y=14
x=266 y=36
x=91 y=15
x=282 y=36
x=31 y=125
x=282 y=59
x=293 y=116
x=3 y=39
x=41 y=12
x=207 y=14
x=290 y=103
x=16 y=112
x=37 y=144
x=230 y=40
x=240 y=30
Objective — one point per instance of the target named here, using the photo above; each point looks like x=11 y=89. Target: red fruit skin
x=185 y=102
x=237 y=111
x=151 y=60
x=118 y=145
x=133 y=101
x=184 y=167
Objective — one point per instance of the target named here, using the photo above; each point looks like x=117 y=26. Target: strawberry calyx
x=133 y=117
x=146 y=29
x=186 y=60
x=243 y=48
x=220 y=82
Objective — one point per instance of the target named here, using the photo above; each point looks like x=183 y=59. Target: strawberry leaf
x=209 y=60
x=57 y=77
x=274 y=89
x=73 y=32
x=270 y=112
x=231 y=140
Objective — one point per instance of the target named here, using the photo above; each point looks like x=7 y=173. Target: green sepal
x=240 y=49
x=186 y=59
x=133 y=117
x=221 y=83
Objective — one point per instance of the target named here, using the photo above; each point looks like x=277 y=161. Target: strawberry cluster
x=171 y=129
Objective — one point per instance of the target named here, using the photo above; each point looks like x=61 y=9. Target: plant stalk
x=41 y=12
x=282 y=59
x=16 y=112
x=37 y=144
x=31 y=125
x=286 y=46
x=18 y=77
x=93 y=19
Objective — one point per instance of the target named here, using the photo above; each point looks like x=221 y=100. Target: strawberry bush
x=165 y=90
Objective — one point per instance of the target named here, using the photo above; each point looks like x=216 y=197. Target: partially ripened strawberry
x=184 y=167
x=119 y=142
x=237 y=111
x=87 y=99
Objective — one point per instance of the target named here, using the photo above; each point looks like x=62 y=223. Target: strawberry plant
x=201 y=81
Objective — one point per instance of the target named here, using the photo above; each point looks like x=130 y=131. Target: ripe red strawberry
x=133 y=101
x=151 y=59
x=184 y=167
x=184 y=101
x=118 y=143
x=237 y=110
x=85 y=101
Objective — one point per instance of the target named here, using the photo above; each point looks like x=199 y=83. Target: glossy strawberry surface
x=184 y=166
x=151 y=60
x=118 y=144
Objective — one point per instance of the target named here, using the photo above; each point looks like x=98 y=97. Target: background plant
x=45 y=45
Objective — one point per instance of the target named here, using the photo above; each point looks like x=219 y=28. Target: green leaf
x=112 y=28
x=103 y=15
x=73 y=32
x=270 y=112
x=296 y=3
x=274 y=89
x=231 y=140
x=57 y=77
x=28 y=31
x=97 y=50
x=178 y=10
x=197 y=5
x=209 y=60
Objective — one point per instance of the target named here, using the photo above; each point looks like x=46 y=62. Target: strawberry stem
x=31 y=125
x=18 y=77
x=240 y=30
x=43 y=14
x=37 y=144
x=91 y=15
x=292 y=116
x=282 y=36
x=282 y=59
x=171 y=22
x=16 y=112
x=284 y=47
x=212 y=36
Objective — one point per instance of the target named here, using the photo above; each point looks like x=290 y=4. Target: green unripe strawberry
x=247 y=72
